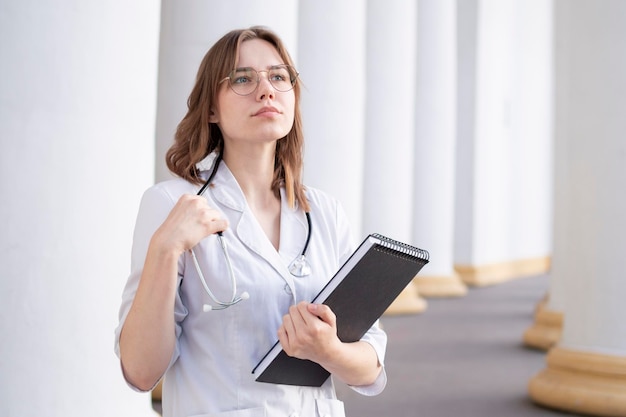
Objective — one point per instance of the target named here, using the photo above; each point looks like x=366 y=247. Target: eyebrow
x=269 y=67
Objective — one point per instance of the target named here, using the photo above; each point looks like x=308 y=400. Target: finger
x=210 y=219
x=193 y=201
x=218 y=225
x=323 y=312
x=297 y=313
x=288 y=326
x=283 y=338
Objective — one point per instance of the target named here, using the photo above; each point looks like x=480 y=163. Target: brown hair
x=196 y=137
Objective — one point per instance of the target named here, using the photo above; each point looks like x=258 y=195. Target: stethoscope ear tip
x=206 y=308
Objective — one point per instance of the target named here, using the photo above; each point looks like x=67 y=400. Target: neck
x=254 y=172
x=253 y=167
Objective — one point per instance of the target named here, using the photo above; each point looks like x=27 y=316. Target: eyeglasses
x=244 y=81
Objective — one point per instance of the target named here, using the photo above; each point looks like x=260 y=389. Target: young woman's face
x=263 y=116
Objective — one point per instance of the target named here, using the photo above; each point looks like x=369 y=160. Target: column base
x=546 y=331
x=482 y=275
x=407 y=302
x=440 y=286
x=582 y=382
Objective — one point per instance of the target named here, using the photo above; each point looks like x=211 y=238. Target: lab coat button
x=287 y=289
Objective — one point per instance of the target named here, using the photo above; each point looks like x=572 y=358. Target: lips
x=267 y=110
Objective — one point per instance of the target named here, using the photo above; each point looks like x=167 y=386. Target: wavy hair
x=196 y=137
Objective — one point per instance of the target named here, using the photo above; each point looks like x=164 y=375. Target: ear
x=213 y=118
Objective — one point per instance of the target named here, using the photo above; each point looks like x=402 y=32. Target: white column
x=388 y=174
x=586 y=371
x=390 y=111
x=332 y=63
x=188 y=30
x=503 y=211
x=77 y=100
x=434 y=152
x=547 y=325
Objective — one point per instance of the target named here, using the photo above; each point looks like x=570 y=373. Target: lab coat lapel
x=293 y=231
x=293 y=226
x=249 y=231
x=228 y=193
x=252 y=235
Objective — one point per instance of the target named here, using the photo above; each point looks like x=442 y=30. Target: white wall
x=77 y=101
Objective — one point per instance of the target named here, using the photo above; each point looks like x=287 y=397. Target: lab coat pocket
x=249 y=412
x=327 y=407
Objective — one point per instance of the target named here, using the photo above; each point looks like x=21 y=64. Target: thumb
x=323 y=312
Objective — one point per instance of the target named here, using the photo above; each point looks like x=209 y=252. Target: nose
x=265 y=88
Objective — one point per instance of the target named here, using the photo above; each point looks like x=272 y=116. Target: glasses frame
x=292 y=72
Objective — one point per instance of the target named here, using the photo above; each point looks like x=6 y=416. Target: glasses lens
x=283 y=77
x=243 y=81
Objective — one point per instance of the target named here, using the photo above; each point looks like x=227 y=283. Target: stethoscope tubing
x=220 y=305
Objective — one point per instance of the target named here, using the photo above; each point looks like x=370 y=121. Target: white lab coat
x=210 y=372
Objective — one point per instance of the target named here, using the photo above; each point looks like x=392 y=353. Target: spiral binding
x=401 y=247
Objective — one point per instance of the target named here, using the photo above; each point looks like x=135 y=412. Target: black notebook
x=359 y=293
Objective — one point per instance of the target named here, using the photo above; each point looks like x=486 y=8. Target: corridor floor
x=462 y=357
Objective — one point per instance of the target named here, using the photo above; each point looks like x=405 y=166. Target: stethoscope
x=299 y=267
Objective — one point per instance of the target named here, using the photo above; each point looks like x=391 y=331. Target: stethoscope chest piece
x=300 y=267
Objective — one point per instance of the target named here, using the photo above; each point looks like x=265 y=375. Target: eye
x=280 y=74
x=242 y=77
x=279 y=77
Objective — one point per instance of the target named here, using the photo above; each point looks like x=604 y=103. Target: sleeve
x=375 y=336
x=155 y=206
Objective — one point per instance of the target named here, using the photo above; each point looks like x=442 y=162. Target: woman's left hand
x=309 y=331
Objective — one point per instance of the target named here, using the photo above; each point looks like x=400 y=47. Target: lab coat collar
x=207 y=163
x=225 y=188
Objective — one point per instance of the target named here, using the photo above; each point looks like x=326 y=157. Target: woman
x=185 y=315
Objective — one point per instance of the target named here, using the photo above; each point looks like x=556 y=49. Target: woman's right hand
x=190 y=221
